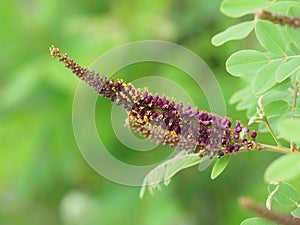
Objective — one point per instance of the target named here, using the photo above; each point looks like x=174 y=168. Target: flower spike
x=161 y=119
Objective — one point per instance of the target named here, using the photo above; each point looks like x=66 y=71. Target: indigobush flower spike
x=163 y=120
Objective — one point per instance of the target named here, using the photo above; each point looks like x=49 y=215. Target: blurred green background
x=43 y=177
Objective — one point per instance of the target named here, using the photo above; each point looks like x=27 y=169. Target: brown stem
x=284 y=219
x=291 y=21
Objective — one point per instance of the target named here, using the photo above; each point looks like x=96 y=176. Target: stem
x=265 y=120
x=281 y=19
x=294 y=109
x=280 y=149
x=259 y=210
x=271 y=197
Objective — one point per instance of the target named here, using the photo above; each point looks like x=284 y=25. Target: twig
x=279 y=149
x=264 y=118
x=284 y=219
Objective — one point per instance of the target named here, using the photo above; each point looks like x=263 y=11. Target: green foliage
x=235 y=32
x=282 y=6
x=289 y=129
x=238 y=8
x=246 y=62
x=204 y=164
x=263 y=81
x=257 y=221
x=270 y=37
x=265 y=71
x=38 y=147
x=41 y=165
x=166 y=170
x=219 y=166
x=243 y=99
x=285 y=168
x=294 y=34
x=277 y=106
x=272 y=75
x=296 y=212
x=284 y=193
x=287 y=69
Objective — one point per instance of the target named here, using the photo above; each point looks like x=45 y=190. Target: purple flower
x=163 y=120
x=254 y=134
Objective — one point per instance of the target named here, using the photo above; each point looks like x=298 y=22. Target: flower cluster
x=161 y=119
x=278 y=19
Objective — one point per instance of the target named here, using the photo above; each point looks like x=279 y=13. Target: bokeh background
x=43 y=177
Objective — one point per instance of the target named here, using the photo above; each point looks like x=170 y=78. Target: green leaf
x=296 y=213
x=235 y=32
x=257 y=221
x=282 y=86
x=265 y=78
x=273 y=121
x=293 y=33
x=245 y=105
x=205 y=163
x=287 y=69
x=249 y=106
x=293 y=48
x=240 y=95
x=276 y=104
x=251 y=111
x=281 y=7
x=270 y=37
x=289 y=129
x=166 y=170
x=298 y=76
x=284 y=193
x=276 y=108
x=271 y=196
x=219 y=166
x=238 y=8
x=277 y=95
x=285 y=168
x=245 y=62
x=245 y=99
